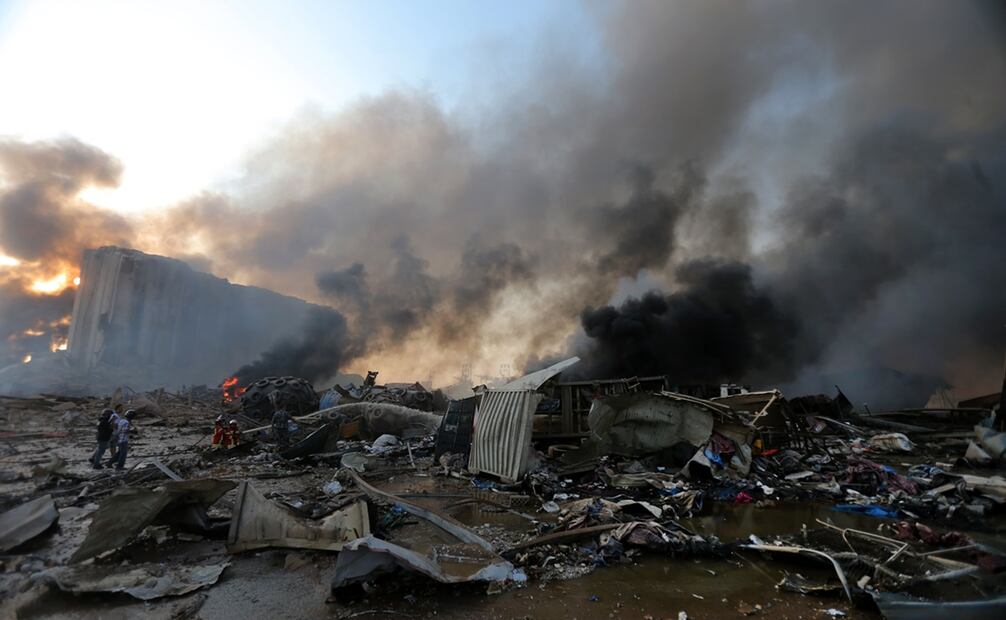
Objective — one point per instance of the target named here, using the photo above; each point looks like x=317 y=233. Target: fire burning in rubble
x=231 y=390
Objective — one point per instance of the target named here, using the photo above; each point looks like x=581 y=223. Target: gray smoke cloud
x=831 y=166
x=823 y=180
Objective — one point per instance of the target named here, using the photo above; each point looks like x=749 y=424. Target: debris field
x=609 y=499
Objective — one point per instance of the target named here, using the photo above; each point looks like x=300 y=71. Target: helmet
x=220 y=419
x=106 y=413
x=130 y=414
x=234 y=423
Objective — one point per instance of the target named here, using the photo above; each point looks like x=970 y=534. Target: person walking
x=123 y=428
x=104 y=437
x=113 y=443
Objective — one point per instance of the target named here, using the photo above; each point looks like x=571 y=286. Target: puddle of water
x=730 y=522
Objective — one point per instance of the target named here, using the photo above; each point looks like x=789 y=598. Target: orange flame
x=49 y=277
x=231 y=390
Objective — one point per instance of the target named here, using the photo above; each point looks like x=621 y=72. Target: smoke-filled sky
x=748 y=191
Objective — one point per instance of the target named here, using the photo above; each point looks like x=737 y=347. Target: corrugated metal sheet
x=502 y=435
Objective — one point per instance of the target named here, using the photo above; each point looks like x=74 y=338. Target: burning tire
x=296 y=394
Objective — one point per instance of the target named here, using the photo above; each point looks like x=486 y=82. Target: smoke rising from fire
x=716 y=326
x=320 y=348
x=808 y=186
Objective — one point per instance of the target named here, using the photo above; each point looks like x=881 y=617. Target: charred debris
x=522 y=484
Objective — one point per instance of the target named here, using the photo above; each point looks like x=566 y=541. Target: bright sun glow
x=223 y=88
x=8 y=261
x=76 y=281
x=27 y=358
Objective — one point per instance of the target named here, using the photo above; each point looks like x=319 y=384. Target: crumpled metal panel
x=363 y=558
x=536 y=379
x=258 y=522
x=503 y=424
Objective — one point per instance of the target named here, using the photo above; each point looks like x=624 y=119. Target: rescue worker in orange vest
x=232 y=436
x=219 y=430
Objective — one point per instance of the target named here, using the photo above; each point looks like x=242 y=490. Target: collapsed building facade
x=152 y=321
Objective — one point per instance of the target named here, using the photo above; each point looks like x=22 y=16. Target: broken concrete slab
x=257 y=523
x=145 y=582
x=124 y=515
x=30 y=519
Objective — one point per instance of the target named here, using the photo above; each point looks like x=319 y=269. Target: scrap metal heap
x=895 y=508
x=413 y=395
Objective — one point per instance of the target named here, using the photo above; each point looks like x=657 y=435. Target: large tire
x=296 y=394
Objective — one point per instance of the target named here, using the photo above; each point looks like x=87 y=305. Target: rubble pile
x=891 y=520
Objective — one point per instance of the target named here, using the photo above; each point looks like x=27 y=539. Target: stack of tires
x=296 y=394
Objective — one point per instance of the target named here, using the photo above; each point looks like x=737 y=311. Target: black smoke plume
x=317 y=354
x=717 y=326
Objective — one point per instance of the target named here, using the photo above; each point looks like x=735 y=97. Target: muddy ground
x=295 y=584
